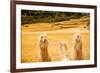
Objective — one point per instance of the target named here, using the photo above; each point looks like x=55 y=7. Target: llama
x=63 y=48
x=77 y=47
x=43 y=44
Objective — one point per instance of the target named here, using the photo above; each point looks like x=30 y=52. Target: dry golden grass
x=30 y=40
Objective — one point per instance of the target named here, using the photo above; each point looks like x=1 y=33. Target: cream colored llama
x=63 y=51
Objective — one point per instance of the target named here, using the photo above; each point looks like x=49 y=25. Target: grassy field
x=60 y=31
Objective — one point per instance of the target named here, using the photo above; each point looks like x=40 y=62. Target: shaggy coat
x=78 y=47
x=44 y=48
x=63 y=48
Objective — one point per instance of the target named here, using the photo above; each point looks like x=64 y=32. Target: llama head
x=62 y=44
x=43 y=37
x=77 y=37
